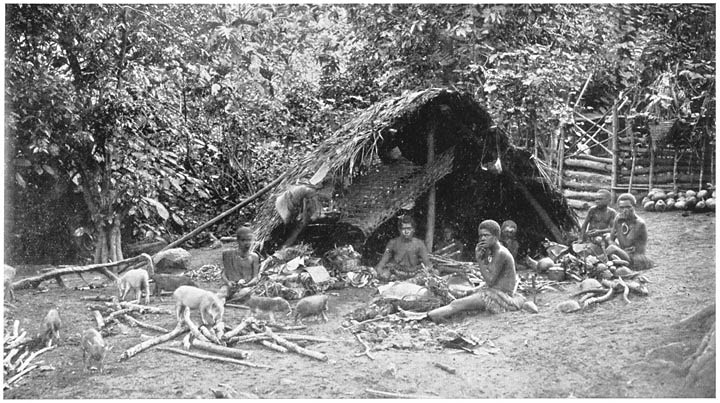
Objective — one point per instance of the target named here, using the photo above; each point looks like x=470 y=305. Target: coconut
x=568 y=306
x=690 y=193
x=544 y=264
x=670 y=204
x=660 y=205
x=702 y=194
x=700 y=206
x=658 y=195
x=710 y=203
x=649 y=205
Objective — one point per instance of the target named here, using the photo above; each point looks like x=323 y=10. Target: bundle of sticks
x=17 y=355
x=223 y=341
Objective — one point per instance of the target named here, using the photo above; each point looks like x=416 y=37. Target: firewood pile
x=19 y=351
x=225 y=342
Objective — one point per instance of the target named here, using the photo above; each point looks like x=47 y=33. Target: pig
x=51 y=327
x=210 y=305
x=93 y=347
x=314 y=305
x=136 y=279
x=267 y=305
x=168 y=282
x=8 y=279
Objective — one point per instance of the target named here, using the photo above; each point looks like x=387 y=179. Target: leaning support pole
x=226 y=213
x=430 y=230
x=554 y=230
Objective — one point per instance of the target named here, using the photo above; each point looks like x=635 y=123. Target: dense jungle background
x=128 y=122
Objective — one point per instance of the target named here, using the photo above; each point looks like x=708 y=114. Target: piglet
x=51 y=327
x=93 y=347
x=314 y=305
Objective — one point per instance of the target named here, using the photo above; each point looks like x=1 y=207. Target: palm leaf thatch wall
x=370 y=188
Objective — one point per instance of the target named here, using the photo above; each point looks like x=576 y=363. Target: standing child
x=241 y=267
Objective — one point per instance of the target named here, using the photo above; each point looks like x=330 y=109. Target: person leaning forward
x=497 y=268
x=403 y=255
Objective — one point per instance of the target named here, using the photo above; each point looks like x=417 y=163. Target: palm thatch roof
x=369 y=186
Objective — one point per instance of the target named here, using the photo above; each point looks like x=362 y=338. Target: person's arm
x=424 y=255
x=386 y=256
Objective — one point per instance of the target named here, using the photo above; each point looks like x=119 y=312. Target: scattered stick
x=144 y=325
x=273 y=346
x=214 y=348
x=132 y=351
x=97 y=298
x=239 y=328
x=294 y=347
x=213 y=358
x=446 y=368
x=98 y=319
x=367 y=348
x=393 y=395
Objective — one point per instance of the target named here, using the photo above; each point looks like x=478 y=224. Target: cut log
x=144 y=325
x=294 y=347
x=600 y=167
x=132 y=351
x=273 y=346
x=214 y=348
x=34 y=282
x=213 y=358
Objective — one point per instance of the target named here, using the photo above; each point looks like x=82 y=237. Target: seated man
x=404 y=254
x=629 y=235
x=241 y=267
x=599 y=220
x=497 y=268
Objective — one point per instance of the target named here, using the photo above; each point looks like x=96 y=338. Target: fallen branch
x=294 y=347
x=214 y=348
x=213 y=358
x=34 y=282
x=367 y=348
x=145 y=325
x=98 y=319
x=393 y=395
x=273 y=346
x=132 y=351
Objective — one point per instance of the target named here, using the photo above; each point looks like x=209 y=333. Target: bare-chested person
x=404 y=254
x=599 y=220
x=241 y=267
x=497 y=268
x=629 y=235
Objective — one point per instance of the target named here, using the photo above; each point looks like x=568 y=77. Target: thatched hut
x=377 y=167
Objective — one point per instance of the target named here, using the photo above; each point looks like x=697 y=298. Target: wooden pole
x=615 y=151
x=652 y=163
x=676 y=157
x=227 y=213
x=544 y=216
x=430 y=230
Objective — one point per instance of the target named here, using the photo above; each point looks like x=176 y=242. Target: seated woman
x=497 y=268
x=629 y=235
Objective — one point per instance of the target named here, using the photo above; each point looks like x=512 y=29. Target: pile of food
x=659 y=200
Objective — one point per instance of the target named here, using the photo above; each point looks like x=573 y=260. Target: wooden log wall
x=583 y=175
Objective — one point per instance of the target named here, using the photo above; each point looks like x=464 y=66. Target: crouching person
x=497 y=268
x=403 y=255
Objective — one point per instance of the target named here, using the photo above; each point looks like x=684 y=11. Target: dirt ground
x=606 y=351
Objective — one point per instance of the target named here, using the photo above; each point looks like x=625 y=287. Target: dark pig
x=314 y=305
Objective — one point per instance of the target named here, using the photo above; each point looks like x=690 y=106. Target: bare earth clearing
x=602 y=352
